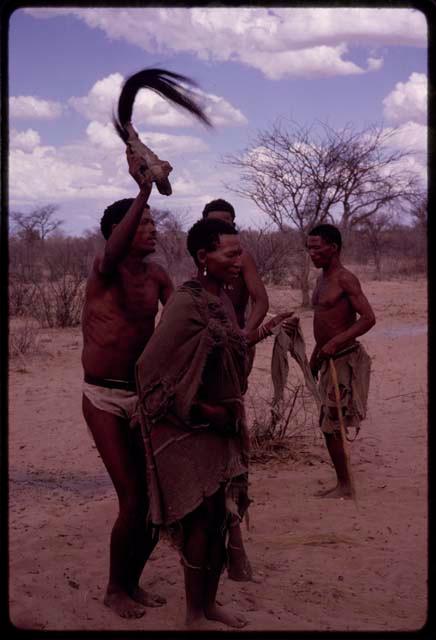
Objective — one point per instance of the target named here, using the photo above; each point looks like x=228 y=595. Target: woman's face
x=225 y=262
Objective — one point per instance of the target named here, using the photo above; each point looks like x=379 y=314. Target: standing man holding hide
x=337 y=300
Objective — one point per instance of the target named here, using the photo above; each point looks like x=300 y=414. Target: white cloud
x=33 y=107
x=101 y=100
x=91 y=169
x=150 y=108
x=410 y=136
x=165 y=145
x=317 y=61
x=86 y=176
x=408 y=101
x=254 y=36
x=25 y=140
x=374 y=64
x=104 y=136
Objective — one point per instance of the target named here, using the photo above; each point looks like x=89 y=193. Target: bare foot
x=197 y=623
x=239 y=568
x=146 y=598
x=219 y=614
x=123 y=604
x=340 y=491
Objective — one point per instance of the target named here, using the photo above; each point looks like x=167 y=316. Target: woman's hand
x=276 y=320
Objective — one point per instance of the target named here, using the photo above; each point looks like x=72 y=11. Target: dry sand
x=319 y=564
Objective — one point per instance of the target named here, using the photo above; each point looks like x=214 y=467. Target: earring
x=205 y=270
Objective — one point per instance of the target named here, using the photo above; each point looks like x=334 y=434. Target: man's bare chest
x=327 y=295
x=133 y=298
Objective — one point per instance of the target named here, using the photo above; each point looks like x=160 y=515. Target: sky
x=358 y=66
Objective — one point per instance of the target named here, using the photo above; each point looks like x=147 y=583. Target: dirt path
x=319 y=564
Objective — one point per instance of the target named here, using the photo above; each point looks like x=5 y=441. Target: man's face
x=224 y=263
x=145 y=236
x=225 y=216
x=320 y=251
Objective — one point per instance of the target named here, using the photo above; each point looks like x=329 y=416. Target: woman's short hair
x=218 y=205
x=113 y=214
x=205 y=233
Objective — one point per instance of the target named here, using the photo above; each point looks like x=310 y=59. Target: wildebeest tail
x=165 y=83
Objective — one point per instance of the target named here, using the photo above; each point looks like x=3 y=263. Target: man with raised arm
x=342 y=314
x=121 y=303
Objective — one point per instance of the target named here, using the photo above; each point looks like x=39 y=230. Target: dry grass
x=23 y=338
x=285 y=431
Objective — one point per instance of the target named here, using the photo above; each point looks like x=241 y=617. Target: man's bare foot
x=123 y=604
x=340 y=491
x=219 y=614
x=197 y=623
x=146 y=598
x=239 y=567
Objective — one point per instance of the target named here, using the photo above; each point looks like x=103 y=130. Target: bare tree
x=302 y=176
x=292 y=176
x=374 y=230
x=172 y=243
x=374 y=181
x=418 y=210
x=40 y=221
x=270 y=250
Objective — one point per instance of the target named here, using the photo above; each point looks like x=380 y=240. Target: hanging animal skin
x=167 y=84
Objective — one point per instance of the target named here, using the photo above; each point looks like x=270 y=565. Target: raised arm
x=257 y=293
x=118 y=244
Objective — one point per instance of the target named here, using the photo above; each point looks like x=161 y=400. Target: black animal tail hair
x=166 y=84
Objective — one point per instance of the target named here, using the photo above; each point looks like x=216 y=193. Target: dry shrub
x=281 y=432
x=407 y=268
x=21 y=296
x=59 y=303
x=23 y=339
x=272 y=252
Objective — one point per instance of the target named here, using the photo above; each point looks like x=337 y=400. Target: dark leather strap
x=110 y=383
x=344 y=352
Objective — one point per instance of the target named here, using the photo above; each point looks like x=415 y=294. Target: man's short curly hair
x=204 y=234
x=218 y=205
x=113 y=214
x=329 y=233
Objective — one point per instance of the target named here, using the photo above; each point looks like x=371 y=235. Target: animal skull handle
x=153 y=163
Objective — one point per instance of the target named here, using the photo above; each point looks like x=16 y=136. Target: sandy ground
x=319 y=564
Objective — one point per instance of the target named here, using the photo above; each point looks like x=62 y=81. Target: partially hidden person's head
x=219 y=210
x=215 y=248
x=323 y=243
x=144 y=240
